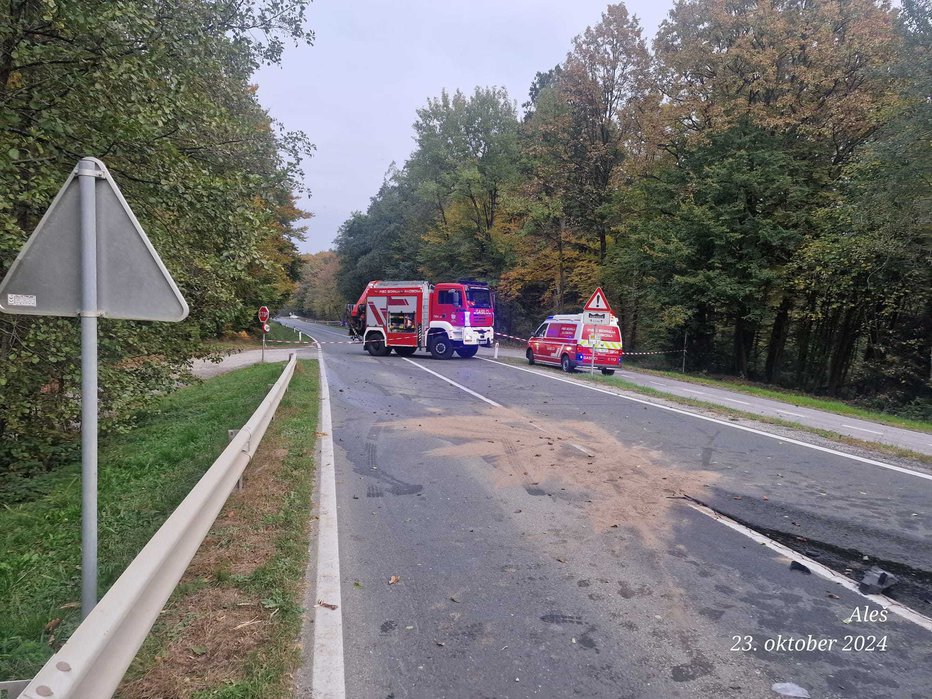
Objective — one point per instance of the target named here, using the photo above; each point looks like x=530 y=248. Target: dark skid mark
x=707 y=456
x=587 y=641
x=914 y=588
x=387 y=627
x=694 y=669
x=531 y=490
x=627 y=591
x=374 y=491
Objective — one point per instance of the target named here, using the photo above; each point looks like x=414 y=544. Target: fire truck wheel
x=530 y=355
x=467 y=351
x=567 y=364
x=376 y=347
x=441 y=347
x=405 y=351
x=607 y=372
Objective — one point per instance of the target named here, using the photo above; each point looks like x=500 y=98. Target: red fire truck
x=410 y=315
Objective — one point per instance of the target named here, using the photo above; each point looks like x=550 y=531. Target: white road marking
x=701 y=393
x=787 y=412
x=733 y=400
x=328 y=678
x=537 y=427
x=584 y=451
x=453 y=383
x=344 y=335
x=852 y=427
x=817 y=568
x=732 y=425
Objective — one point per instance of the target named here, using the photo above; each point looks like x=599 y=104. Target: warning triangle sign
x=597 y=302
x=132 y=283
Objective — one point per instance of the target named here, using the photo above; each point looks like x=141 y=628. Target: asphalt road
x=868 y=431
x=543 y=546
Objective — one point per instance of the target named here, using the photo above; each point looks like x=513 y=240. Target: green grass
x=277 y=584
x=143 y=475
x=796 y=398
x=277 y=331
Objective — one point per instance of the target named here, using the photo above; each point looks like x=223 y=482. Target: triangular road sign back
x=132 y=282
x=597 y=302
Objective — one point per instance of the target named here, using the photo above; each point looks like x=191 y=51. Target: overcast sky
x=375 y=62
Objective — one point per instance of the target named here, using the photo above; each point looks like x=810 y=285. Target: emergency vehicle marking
x=402 y=304
x=376 y=313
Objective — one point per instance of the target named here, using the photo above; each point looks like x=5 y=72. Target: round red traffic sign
x=263 y=314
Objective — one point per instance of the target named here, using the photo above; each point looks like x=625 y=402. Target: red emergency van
x=568 y=341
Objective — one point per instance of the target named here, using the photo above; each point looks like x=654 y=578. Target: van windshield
x=479 y=298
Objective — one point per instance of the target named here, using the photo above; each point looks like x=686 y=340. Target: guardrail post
x=230 y=435
x=495 y=356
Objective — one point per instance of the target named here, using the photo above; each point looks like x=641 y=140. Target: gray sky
x=374 y=62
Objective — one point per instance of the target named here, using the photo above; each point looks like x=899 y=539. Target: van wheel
x=467 y=351
x=405 y=351
x=530 y=355
x=441 y=347
x=567 y=364
x=377 y=347
x=607 y=372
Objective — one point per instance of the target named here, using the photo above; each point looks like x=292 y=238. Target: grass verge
x=229 y=630
x=619 y=382
x=277 y=336
x=796 y=398
x=143 y=475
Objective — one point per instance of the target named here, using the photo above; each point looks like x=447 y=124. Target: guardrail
x=93 y=661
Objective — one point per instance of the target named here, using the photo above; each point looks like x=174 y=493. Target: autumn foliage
x=756 y=185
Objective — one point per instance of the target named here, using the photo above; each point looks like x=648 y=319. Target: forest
x=754 y=182
x=161 y=92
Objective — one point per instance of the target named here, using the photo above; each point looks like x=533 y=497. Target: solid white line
x=453 y=383
x=852 y=427
x=701 y=393
x=328 y=679
x=732 y=425
x=787 y=412
x=817 y=568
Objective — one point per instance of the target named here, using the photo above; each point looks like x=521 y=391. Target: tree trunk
x=778 y=334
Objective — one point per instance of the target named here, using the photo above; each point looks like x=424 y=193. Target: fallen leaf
x=394 y=580
x=52 y=625
x=832 y=595
x=321 y=603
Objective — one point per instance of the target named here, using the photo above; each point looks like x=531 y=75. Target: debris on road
x=788 y=689
x=795 y=565
x=876 y=580
x=321 y=603
x=394 y=580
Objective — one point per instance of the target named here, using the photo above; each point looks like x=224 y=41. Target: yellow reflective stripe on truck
x=601 y=344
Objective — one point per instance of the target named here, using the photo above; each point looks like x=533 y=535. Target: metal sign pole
x=263 y=348
x=87 y=177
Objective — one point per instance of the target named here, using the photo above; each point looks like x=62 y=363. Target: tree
x=465 y=161
x=160 y=92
